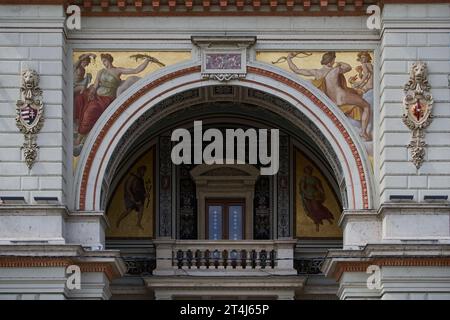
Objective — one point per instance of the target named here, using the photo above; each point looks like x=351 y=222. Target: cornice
x=361 y=266
x=222 y=7
x=32 y=256
x=110 y=270
x=212 y=7
x=225 y=282
x=357 y=215
x=89 y=215
x=394 y=255
x=422 y=208
x=32 y=210
x=52 y=210
x=398 y=208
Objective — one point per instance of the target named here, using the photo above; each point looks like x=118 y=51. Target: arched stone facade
x=149 y=91
x=393 y=204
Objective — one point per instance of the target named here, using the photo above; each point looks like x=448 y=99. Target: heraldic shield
x=417 y=111
x=418 y=104
x=29 y=116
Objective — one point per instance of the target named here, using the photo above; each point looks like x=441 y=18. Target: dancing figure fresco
x=100 y=77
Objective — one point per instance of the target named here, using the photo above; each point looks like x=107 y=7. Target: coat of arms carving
x=418 y=104
x=29 y=114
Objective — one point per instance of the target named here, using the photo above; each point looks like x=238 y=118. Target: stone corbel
x=418 y=104
x=29 y=114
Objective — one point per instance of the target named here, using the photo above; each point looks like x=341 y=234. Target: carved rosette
x=418 y=104
x=29 y=114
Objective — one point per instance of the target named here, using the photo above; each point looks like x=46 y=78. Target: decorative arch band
x=196 y=69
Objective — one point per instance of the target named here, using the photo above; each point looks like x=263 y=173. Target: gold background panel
x=128 y=227
x=305 y=226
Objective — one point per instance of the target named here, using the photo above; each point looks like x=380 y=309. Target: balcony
x=224 y=257
x=224 y=268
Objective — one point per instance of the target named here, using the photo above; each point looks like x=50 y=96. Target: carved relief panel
x=418 y=104
x=29 y=114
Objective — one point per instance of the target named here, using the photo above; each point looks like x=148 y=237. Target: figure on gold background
x=136 y=193
x=313 y=197
x=81 y=82
x=330 y=79
x=364 y=80
x=82 y=79
x=107 y=86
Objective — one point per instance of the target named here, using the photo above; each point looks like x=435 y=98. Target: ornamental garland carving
x=29 y=114
x=418 y=104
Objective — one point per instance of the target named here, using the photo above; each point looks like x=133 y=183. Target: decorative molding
x=283 y=190
x=263 y=203
x=308 y=265
x=105 y=268
x=51 y=262
x=219 y=8
x=418 y=104
x=224 y=77
x=29 y=114
x=165 y=187
x=361 y=266
x=225 y=171
x=88 y=166
x=187 y=203
x=37 y=262
x=138 y=266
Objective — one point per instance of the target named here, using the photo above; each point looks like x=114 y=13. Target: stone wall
x=33 y=37
x=411 y=33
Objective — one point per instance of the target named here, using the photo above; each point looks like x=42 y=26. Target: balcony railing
x=223 y=258
x=197 y=256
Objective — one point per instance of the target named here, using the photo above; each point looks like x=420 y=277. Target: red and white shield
x=29 y=115
x=418 y=110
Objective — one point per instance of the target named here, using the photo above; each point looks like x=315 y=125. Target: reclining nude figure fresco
x=330 y=79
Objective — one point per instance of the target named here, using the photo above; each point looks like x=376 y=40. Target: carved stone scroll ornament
x=29 y=114
x=224 y=77
x=418 y=104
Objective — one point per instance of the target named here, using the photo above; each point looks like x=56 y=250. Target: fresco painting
x=317 y=209
x=345 y=77
x=131 y=209
x=100 y=77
